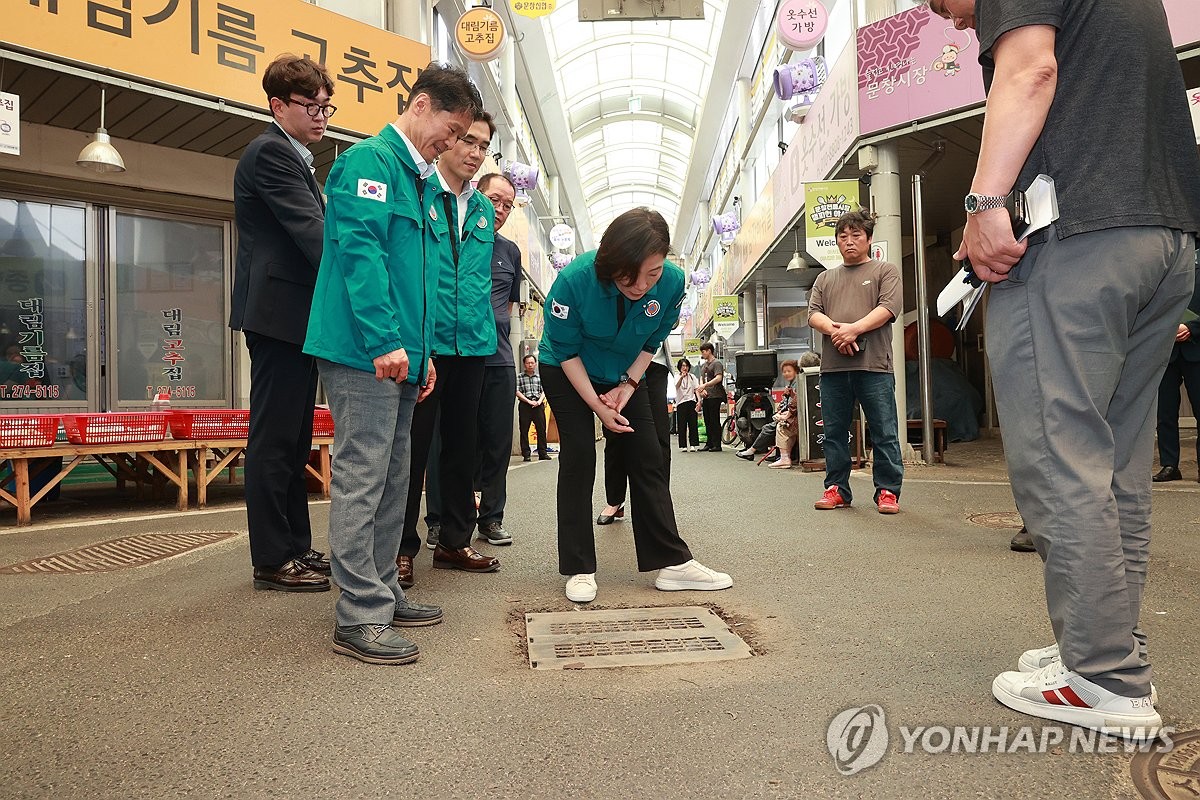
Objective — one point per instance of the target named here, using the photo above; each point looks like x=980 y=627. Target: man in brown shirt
x=853 y=306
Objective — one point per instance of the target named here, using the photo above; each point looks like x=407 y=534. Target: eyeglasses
x=313 y=109
x=474 y=144
x=503 y=205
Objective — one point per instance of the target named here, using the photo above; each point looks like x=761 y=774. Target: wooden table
x=170 y=459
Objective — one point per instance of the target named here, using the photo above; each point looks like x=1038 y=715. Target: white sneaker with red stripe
x=1033 y=660
x=1055 y=692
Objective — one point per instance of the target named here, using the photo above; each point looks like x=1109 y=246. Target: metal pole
x=922 y=323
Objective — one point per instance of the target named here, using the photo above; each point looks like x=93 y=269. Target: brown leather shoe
x=294 y=576
x=404 y=571
x=464 y=558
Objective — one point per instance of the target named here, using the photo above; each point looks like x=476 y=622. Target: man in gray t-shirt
x=1081 y=319
x=853 y=307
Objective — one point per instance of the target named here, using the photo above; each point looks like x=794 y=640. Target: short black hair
x=861 y=220
x=528 y=356
x=683 y=362
x=708 y=346
x=629 y=240
x=487 y=179
x=290 y=74
x=486 y=116
x=449 y=89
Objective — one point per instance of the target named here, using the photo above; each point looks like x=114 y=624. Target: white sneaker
x=1055 y=692
x=691 y=576
x=1033 y=660
x=581 y=588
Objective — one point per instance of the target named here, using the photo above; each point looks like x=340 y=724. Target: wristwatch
x=626 y=379
x=974 y=203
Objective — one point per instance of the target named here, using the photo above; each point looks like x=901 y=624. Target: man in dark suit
x=1182 y=368
x=280 y=220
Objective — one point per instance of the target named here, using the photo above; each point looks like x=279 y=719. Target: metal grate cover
x=628 y=637
x=128 y=551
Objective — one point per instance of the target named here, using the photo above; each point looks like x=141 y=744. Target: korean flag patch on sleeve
x=372 y=190
x=559 y=310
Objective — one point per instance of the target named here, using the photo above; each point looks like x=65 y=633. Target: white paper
x=1041 y=208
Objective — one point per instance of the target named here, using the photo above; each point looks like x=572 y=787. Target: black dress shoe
x=316 y=561
x=1168 y=473
x=374 y=644
x=415 y=615
x=294 y=576
x=1022 y=542
x=608 y=519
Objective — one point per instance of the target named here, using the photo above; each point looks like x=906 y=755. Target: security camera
x=782 y=147
x=797 y=113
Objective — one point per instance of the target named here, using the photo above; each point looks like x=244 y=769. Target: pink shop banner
x=915 y=65
x=1184 y=18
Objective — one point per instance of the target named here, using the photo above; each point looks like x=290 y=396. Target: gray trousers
x=1078 y=338
x=370 y=488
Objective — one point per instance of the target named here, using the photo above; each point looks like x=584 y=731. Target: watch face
x=971 y=203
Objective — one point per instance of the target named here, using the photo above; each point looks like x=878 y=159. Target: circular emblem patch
x=482 y=222
x=652 y=308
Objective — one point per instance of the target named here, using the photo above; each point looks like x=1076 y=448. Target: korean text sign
x=915 y=65
x=221 y=47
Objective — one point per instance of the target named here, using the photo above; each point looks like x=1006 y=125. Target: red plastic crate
x=210 y=423
x=322 y=422
x=115 y=427
x=28 y=430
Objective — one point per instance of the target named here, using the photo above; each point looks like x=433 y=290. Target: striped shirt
x=304 y=152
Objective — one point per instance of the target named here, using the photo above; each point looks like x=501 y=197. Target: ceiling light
x=797 y=262
x=100 y=155
x=635 y=104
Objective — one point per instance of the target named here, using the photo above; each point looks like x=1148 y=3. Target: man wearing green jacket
x=464 y=333
x=371 y=330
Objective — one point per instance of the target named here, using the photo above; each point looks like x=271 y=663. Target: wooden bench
x=168 y=460
x=939 y=436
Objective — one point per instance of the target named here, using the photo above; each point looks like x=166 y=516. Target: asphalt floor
x=178 y=679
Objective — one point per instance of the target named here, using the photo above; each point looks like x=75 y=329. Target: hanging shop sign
x=824 y=203
x=562 y=236
x=10 y=123
x=915 y=65
x=725 y=315
x=691 y=348
x=218 y=49
x=533 y=8
x=801 y=23
x=479 y=34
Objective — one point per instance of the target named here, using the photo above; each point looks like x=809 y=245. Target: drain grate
x=629 y=637
x=997 y=519
x=128 y=551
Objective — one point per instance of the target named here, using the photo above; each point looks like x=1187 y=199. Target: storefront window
x=169 y=311
x=43 y=327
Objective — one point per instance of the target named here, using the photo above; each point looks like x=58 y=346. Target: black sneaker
x=374 y=644
x=415 y=615
x=433 y=536
x=494 y=533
